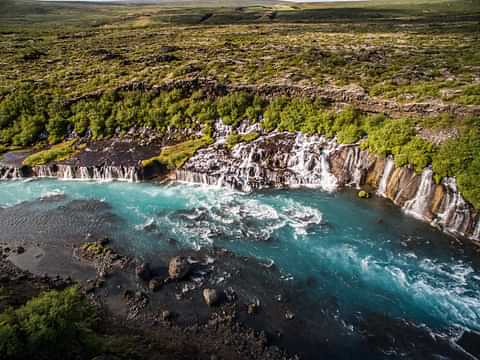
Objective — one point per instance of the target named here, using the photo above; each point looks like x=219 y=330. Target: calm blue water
x=366 y=254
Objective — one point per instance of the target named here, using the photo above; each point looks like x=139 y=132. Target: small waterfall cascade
x=387 y=171
x=302 y=161
x=456 y=215
x=10 y=173
x=100 y=173
x=356 y=165
x=194 y=177
x=476 y=231
x=419 y=205
x=309 y=163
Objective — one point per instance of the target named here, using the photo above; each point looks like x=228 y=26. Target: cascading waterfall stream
x=387 y=171
x=70 y=172
x=418 y=206
x=456 y=215
x=476 y=232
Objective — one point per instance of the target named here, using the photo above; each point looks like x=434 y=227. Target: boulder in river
x=178 y=268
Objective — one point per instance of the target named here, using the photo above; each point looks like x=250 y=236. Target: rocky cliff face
x=280 y=160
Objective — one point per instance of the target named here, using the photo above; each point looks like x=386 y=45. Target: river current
x=366 y=256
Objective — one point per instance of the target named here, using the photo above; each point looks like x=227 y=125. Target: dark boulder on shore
x=154 y=285
x=211 y=297
x=470 y=342
x=144 y=272
x=178 y=268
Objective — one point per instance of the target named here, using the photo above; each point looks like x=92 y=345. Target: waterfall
x=192 y=177
x=476 y=232
x=10 y=173
x=456 y=216
x=419 y=205
x=44 y=171
x=356 y=166
x=96 y=173
x=259 y=164
x=387 y=171
x=309 y=163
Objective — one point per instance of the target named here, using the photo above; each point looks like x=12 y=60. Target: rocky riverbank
x=162 y=312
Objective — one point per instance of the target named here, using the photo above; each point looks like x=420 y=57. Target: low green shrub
x=53 y=323
x=234 y=138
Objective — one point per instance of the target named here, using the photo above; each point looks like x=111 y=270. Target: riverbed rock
x=470 y=341
x=289 y=315
x=211 y=297
x=166 y=315
x=143 y=271
x=252 y=309
x=154 y=285
x=178 y=268
x=104 y=241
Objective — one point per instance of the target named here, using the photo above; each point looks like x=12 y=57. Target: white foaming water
x=387 y=171
x=456 y=214
x=52 y=193
x=418 y=206
x=103 y=174
x=356 y=165
x=300 y=217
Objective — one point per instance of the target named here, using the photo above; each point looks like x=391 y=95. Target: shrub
x=235 y=138
x=53 y=323
x=232 y=108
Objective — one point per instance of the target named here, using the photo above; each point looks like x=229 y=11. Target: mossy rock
x=94 y=249
x=362 y=194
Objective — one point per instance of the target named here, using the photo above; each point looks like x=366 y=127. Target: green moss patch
x=235 y=138
x=175 y=156
x=58 y=152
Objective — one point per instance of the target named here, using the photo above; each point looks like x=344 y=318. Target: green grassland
x=403 y=49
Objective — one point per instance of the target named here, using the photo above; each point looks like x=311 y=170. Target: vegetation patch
x=53 y=323
x=235 y=138
x=57 y=152
x=175 y=156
